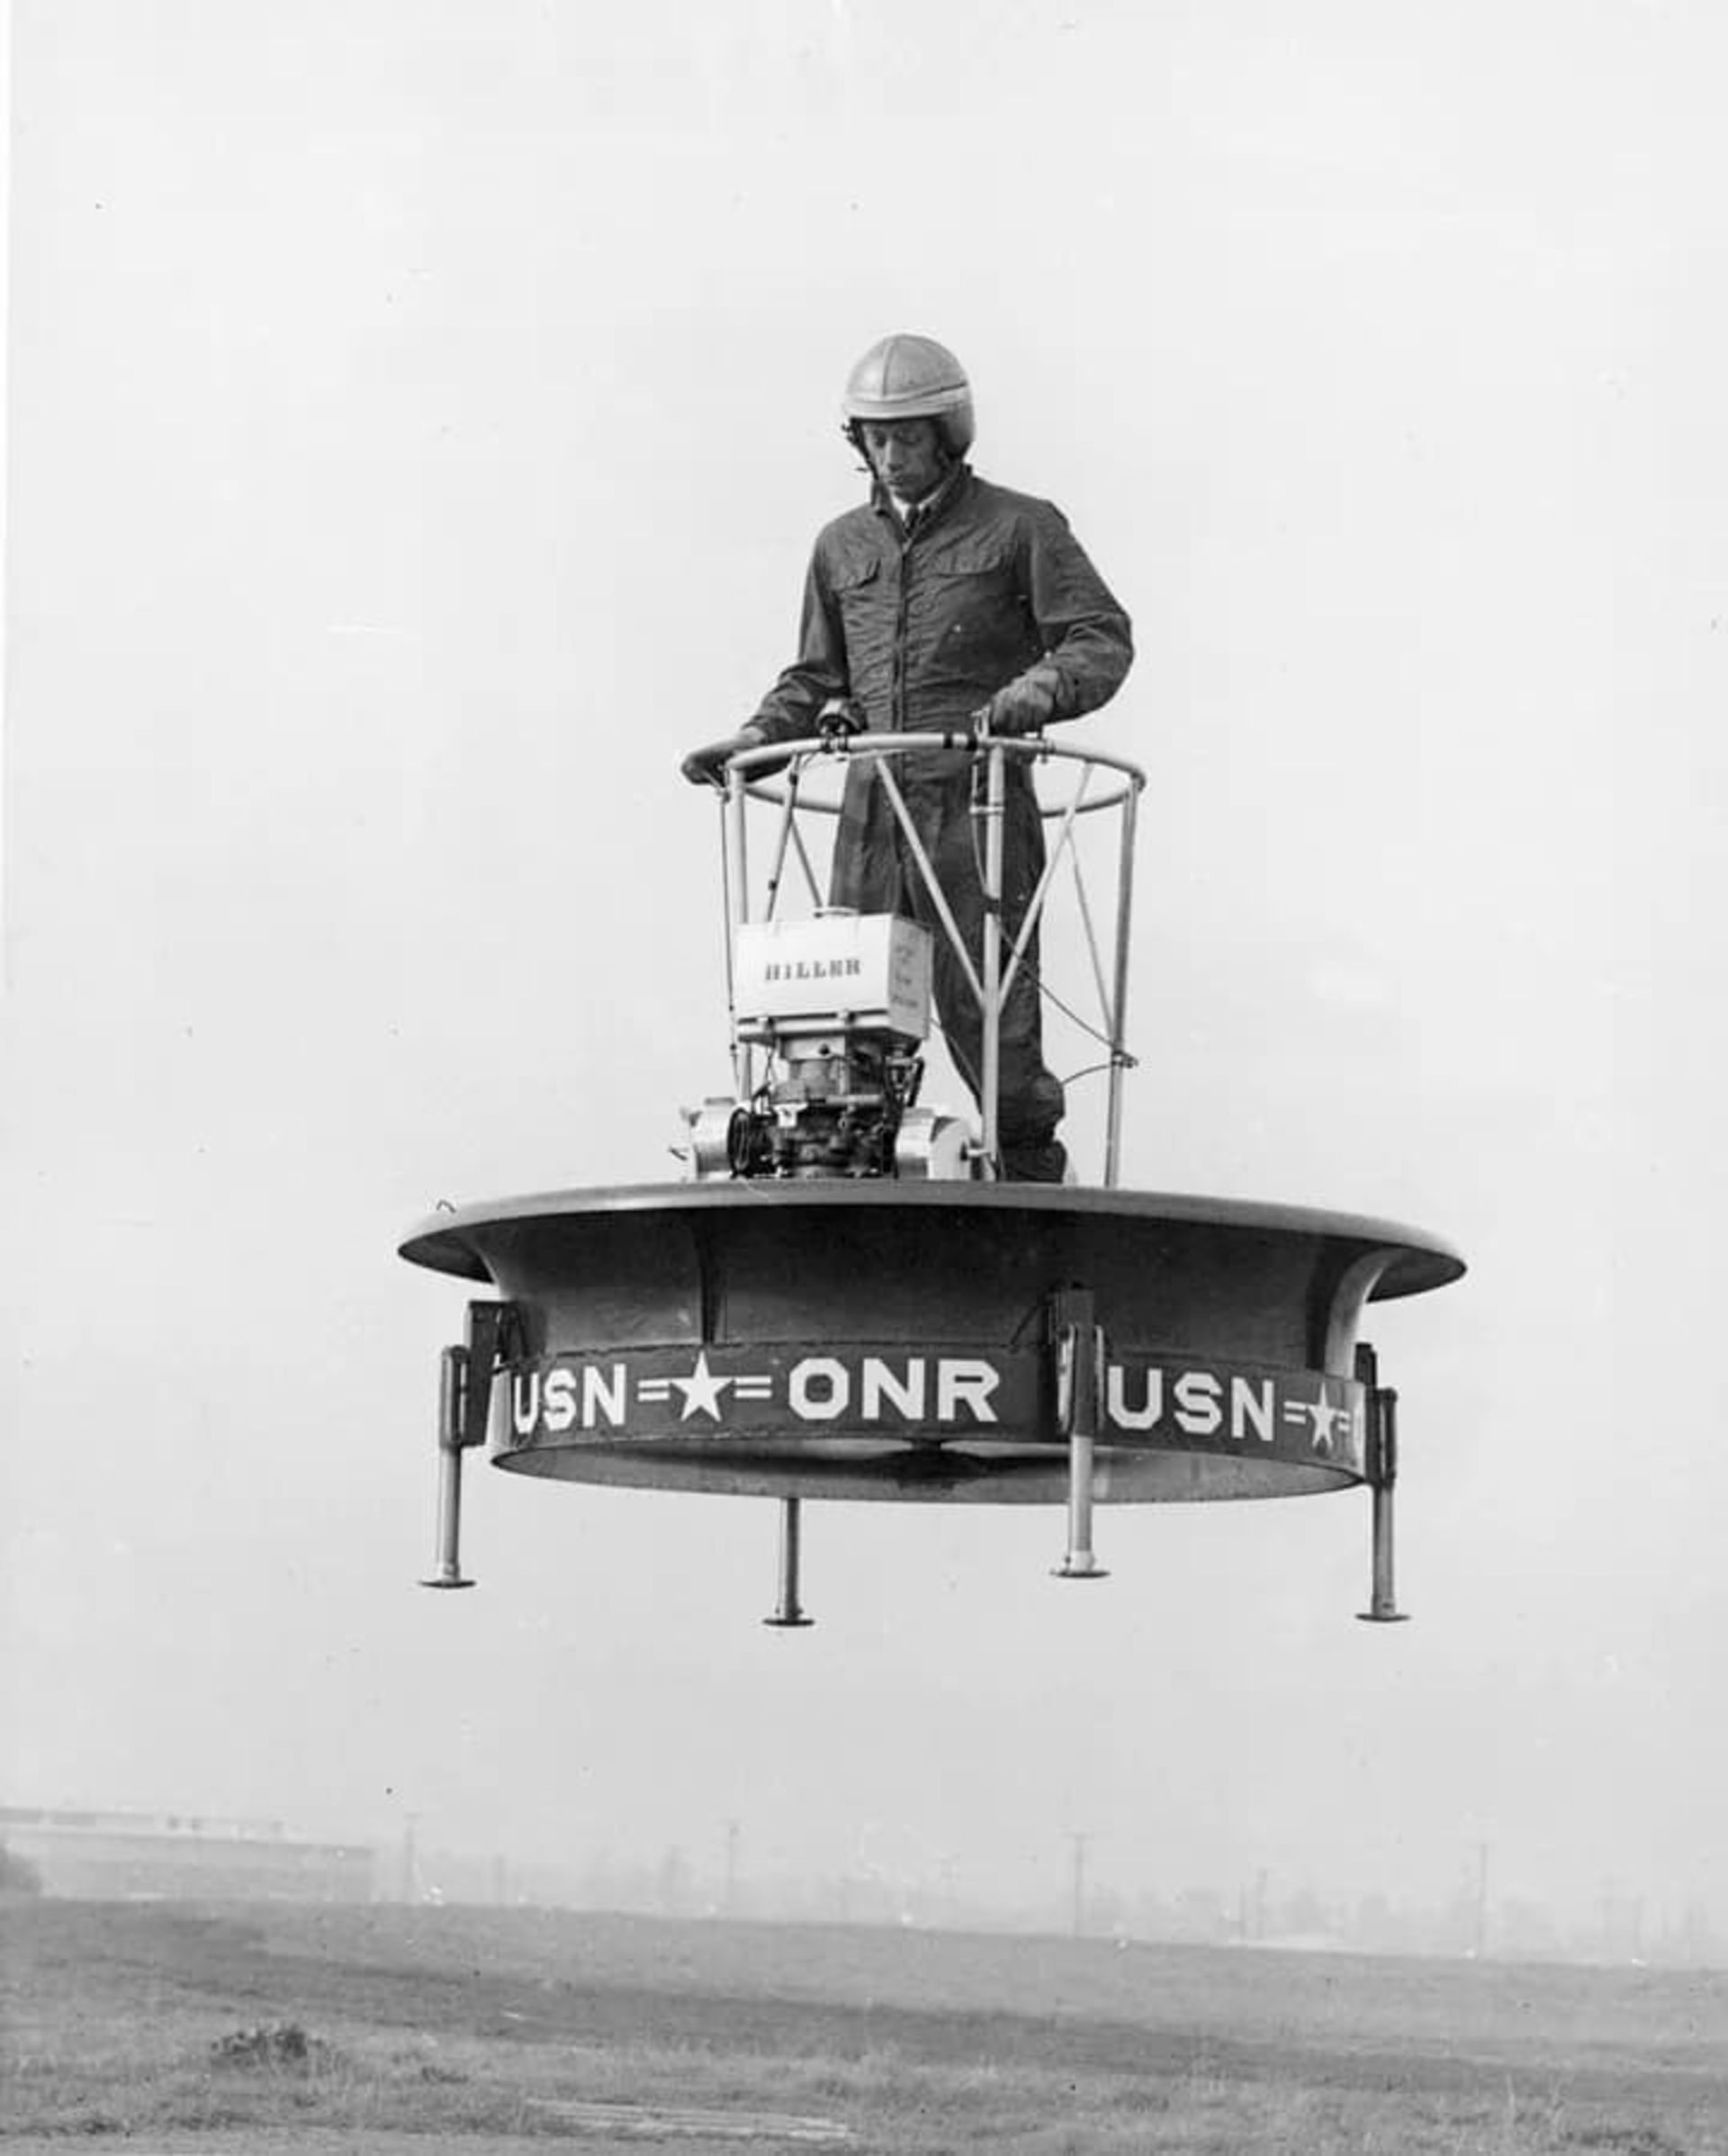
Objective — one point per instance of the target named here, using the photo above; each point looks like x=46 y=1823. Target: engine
x=837 y=1008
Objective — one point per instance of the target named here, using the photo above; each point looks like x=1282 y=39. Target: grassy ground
x=241 y=2029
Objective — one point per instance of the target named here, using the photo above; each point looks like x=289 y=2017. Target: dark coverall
x=923 y=623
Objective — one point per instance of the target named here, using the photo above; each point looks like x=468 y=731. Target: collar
x=921 y=513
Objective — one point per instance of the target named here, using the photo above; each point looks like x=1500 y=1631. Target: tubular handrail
x=1022 y=748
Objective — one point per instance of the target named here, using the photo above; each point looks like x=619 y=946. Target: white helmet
x=907 y=377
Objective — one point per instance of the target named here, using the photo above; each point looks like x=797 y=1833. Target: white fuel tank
x=858 y=972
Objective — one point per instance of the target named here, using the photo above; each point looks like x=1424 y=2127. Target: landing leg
x=1382 y=1474
x=465 y=1377
x=788 y=1613
x=446 y=1557
x=1079 y=1372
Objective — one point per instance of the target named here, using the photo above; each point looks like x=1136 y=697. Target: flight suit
x=923 y=622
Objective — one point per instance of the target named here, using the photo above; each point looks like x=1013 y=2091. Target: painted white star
x=1324 y=1418
x=701 y=1390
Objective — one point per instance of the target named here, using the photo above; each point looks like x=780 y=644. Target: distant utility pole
x=729 y=1901
x=1079 y=1842
x=948 y=1874
x=1482 y=1901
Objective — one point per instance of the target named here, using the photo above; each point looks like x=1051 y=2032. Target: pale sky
x=420 y=411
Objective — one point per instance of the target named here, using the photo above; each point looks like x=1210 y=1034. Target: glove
x=841 y=716
x=707 y=766
x=1026 y=704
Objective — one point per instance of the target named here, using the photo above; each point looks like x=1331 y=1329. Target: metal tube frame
x=788 y=832
x=1120 y=1058
x=990 y=1047
x=734 y=854
x=992 y=980
x=1062 y=845
x=927 y=872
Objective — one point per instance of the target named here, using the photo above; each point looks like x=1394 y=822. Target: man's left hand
x=707 y=766
x=1027 y=703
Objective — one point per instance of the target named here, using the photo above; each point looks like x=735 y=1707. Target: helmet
x=911 y=378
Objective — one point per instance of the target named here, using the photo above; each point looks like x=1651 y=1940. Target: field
x=238 y=2030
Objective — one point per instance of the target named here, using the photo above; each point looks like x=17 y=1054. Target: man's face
x=905 y=455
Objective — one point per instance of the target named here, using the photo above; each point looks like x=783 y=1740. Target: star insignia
x=701 y=1390
x=1325 y=1419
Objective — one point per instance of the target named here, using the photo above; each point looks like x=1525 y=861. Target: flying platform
x=842 y=1301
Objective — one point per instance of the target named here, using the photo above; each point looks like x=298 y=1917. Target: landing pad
x=893 y=1341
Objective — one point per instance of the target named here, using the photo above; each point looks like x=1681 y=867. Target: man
x=945 y=602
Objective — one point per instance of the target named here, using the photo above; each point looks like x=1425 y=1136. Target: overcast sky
x=420 y=414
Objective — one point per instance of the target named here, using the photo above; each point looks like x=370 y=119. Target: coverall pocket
x=974 y=556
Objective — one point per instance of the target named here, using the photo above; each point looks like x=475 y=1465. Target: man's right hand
x=707 y=766
x=1026 y=704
